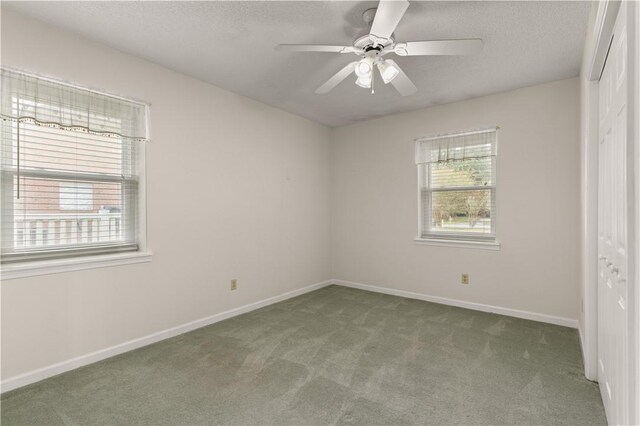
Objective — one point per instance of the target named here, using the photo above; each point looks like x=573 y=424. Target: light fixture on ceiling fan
x=379 y=42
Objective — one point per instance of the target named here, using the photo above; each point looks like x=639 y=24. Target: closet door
x=612 y=229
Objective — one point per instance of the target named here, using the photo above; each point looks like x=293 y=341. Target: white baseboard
x=82 y=360
x=567 y=322
x=582 y=348
x=585 y=357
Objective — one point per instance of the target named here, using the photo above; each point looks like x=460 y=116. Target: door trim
x=601 y=23
x=602 y=20
x=634 y=294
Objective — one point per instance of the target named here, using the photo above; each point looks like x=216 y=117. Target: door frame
x=600 y=31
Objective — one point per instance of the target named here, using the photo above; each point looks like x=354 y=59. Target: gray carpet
x=333 y=356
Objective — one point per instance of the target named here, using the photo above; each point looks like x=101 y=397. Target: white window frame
x=85 y=259
x=452 y=239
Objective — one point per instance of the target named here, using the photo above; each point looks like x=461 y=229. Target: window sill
x=481 y=245
x=46 y=267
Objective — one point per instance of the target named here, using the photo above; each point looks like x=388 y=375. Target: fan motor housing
x=364 y=42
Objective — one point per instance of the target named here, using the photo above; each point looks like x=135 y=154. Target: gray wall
x=235 y=189
x=374 y=214
x=238 y=189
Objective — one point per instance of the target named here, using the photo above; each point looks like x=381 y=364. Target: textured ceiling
x=231 y=45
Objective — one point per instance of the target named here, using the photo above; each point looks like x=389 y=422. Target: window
x=457 y=187
x=71 y=161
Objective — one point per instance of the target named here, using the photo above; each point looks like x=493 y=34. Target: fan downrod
x=364 y=42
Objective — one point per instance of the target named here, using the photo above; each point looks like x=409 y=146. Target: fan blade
x=401 y=82
x=440 y=47
x=336 y=79
x=315 y=48
x=388 y=15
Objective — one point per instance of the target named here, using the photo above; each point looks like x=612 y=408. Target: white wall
x=236 y=189
x=374 y=203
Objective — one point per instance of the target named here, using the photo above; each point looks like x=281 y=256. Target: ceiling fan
x=379 y=42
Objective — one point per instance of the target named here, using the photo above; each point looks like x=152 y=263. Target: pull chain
x=373 y=79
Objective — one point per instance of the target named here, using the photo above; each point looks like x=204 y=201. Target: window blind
x=457 y=185
x=70 y=169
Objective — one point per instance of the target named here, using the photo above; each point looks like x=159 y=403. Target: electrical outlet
x=465 y=279
x=234 y=284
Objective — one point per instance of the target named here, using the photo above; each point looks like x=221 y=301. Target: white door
x=613 y=374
